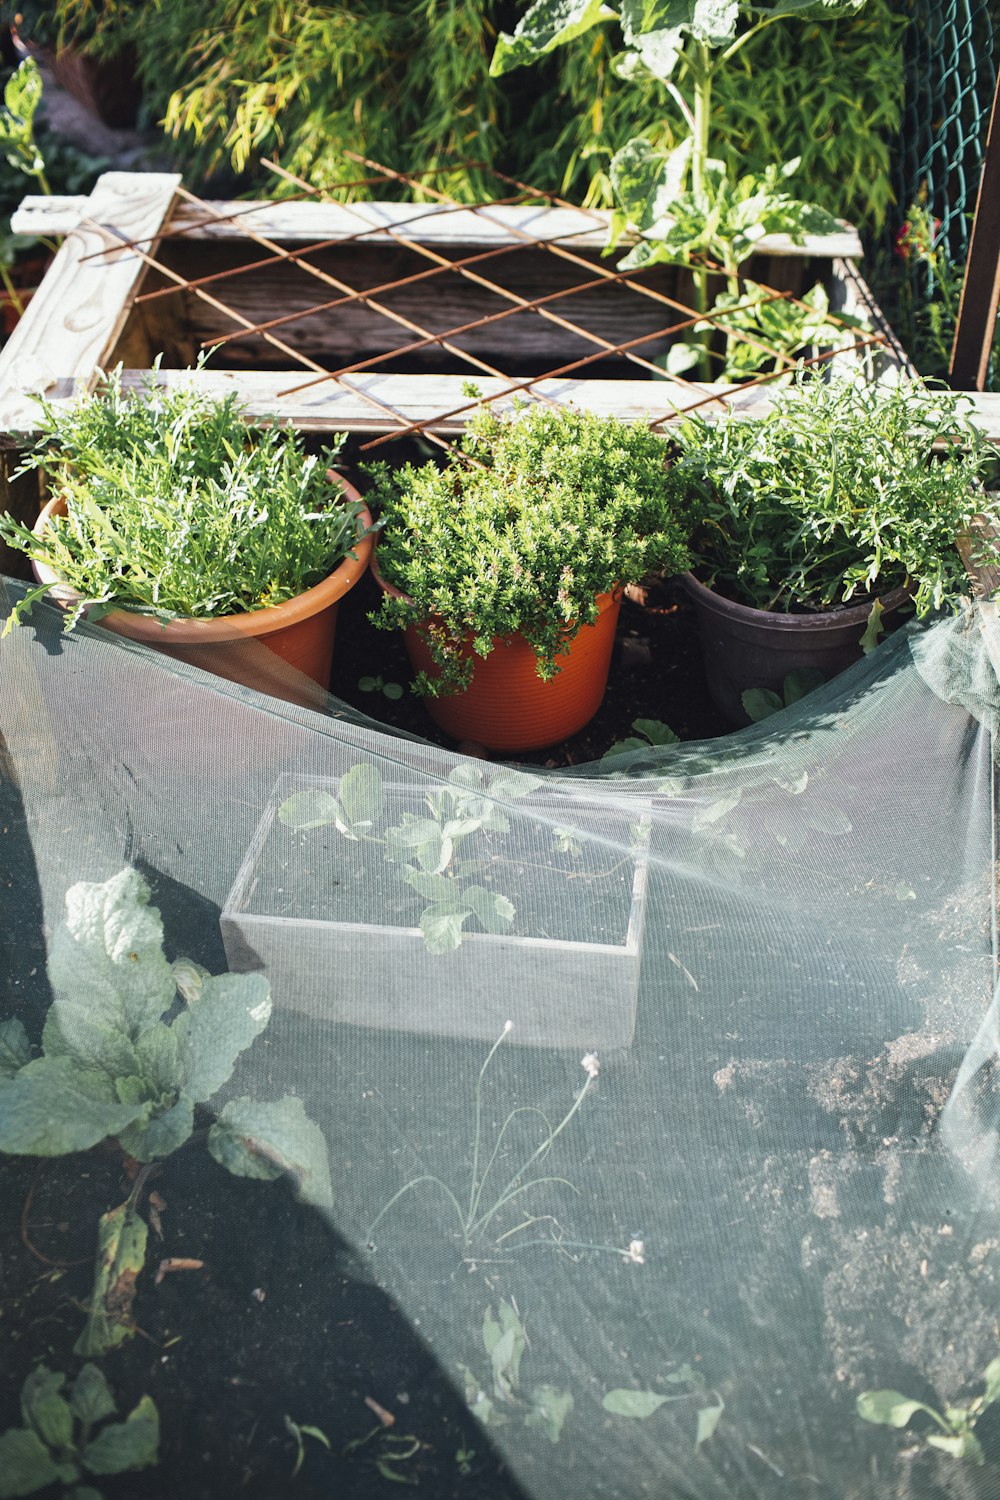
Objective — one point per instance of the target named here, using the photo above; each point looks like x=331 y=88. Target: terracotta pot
x=507 y=706
x=746 y=648
x=300 y=632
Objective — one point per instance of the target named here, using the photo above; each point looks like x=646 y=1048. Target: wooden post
x=977 y=310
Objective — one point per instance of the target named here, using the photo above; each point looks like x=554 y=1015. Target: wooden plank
x=977 y=308
x=76 y=315
x=307 y=222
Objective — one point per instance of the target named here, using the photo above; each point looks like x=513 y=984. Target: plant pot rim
x=845 y=614
x=254 y=623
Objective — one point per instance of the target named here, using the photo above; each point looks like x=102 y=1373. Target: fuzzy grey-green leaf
x=132 y=1444
x=25 y=1464
x=229 y=1014
x=52 y=1107
x=253 y=1139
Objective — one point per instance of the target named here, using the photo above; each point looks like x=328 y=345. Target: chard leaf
x=25 y=1463
x=132 y=1444
x=45 y=1409
x=309 y=809
x=92 y=1400
x=107 y=970
x=121 y=1254
x=162 y=1134
x=229 y=1014
x=251 y=1139
x=52 y=1107
x=638 y=1404
x=15 y=1049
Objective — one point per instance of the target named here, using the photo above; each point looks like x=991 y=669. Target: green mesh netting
x=732 y=1169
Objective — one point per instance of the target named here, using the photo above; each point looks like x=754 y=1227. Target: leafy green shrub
x=836 y=492
x=547 y=510
x=175 y=507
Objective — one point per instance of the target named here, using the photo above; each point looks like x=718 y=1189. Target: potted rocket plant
x=841 y=504
x=175 y=524
x=505 y=568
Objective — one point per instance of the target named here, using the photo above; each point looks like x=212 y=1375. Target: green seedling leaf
x=45 y=1410
x=760 y=703
x=52 y=1107
x=505 y=1341
x=637 y=1404
x=959 y=1445
x=132 y=1444
x=91 y=1398
x=229 y=1014
x=266 y=1140
x=889 y=1408
x=15 y=1049
x=549 y=1409
x=708 y=1421
x=121 y=1254
x=991 y=1378
x=361 y=795
x=25 y=1464
x=310 y=809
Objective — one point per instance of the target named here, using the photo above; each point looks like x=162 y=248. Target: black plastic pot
x=753 y=648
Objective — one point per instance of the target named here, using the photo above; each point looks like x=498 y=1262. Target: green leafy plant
x=59 y=1443
x=761 y=703
x=639 y=1405
x=687 y=205
x=391 y=690
x=473 y=1211
x=132 y=1045
x=505 y=1341
x=175 y=507
x=649 y=734
x=843 y=490
x=535 y=517
x=437 y=850
x=299 y=1431
x=955 y=1424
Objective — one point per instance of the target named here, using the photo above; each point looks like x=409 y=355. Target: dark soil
x=656 y=673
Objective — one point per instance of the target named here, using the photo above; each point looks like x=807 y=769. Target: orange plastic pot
x=507 y=706
x=300 y=632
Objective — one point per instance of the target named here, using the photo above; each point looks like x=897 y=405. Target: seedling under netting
x=374 y=1114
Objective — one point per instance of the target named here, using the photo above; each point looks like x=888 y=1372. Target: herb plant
x=535 y=517
x=838 y=492
x=132 y=1045
x=505 y=1342
x=687 y=206
x=175 y=507
x=955 y=1424
x=58 y=1443
x=437 y=850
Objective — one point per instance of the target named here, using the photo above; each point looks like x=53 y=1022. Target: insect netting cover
x=617 y=1133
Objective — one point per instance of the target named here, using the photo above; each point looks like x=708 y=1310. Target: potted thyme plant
x=506 y=566
x=175 y=524
x=842 y=503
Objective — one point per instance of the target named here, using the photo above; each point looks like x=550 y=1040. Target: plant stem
x=473 y=1195
x=540 y=1151
x=11 y=290
x=701 y=75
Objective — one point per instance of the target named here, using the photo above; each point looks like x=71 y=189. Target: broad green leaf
x=760 y=703
x=549 y=1409
x=311 y=809
x=107 y=971
x=263 y=1140
x=873 y=630
x=888 y=1408
x=706 y=816
x=121 y=1254
x=712 y=22
x=15 y=1049
x=25 y=1464
x=683 y=356
x=24 y=90
x=655 y=731
x=45 y=1409
x=52 y=1107
x=505 y=1341
x=132 y=1444
x=959 y=1445
x=811 y=10
x=162 y=1134
x=229 y=1014
x=431 y=887
x=158 y=1053
x=361 y=795
x=441 y=926
x=494 y=911
x=91 y=1399
x=991 y=1377
x=708 y=1421
x=548 y=24
x=800 y=683
x=656 y=52
x=510 y=785
x=639 y=1404
x=646 y=182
